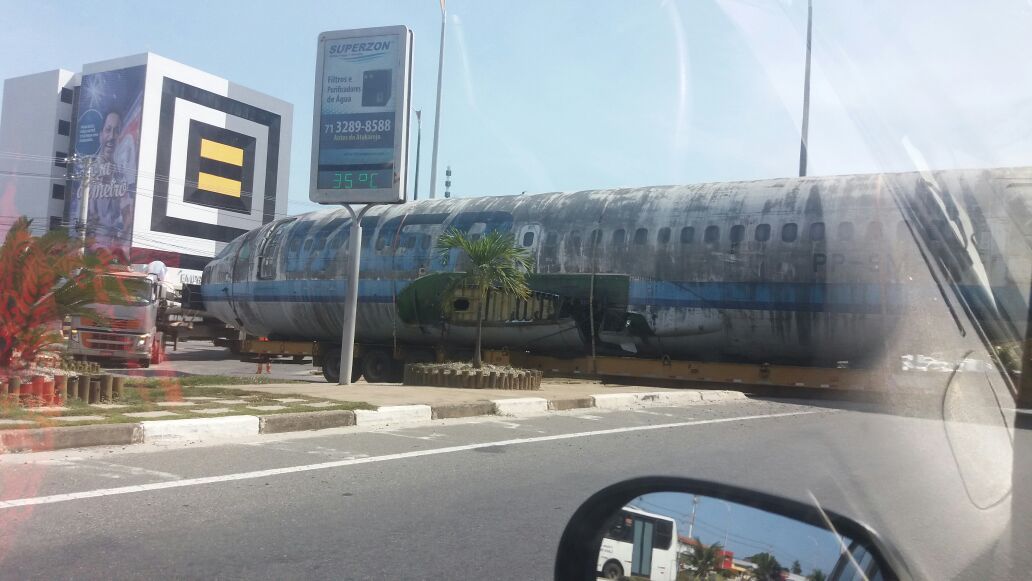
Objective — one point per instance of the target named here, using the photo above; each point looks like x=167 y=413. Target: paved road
x=203 y=358
x=443 y=501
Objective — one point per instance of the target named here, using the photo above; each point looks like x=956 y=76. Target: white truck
x=127 y=331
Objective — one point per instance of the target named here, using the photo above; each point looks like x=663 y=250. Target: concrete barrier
x=302 y=421
x=40 y=439
x=200 y=428
x=521 y=406
x=393 y=414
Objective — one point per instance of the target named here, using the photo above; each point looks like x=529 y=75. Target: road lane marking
x=55 y=498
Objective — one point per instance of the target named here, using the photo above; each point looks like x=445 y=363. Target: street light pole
x=419 y=143
x=437 y=112
x=803 y=145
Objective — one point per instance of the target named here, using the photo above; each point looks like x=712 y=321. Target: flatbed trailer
x=607 y=368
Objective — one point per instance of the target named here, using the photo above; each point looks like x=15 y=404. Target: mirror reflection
x=676 y=536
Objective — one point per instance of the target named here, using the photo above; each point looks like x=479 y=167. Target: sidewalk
x=391 y=394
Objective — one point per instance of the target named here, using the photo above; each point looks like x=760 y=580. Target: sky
x=559 y=96
x=748 y=530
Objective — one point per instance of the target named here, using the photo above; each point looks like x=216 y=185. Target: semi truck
x=124 y=327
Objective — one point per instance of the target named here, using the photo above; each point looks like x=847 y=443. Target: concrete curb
x=56 y=438
x=41 y=439
x=570 y=403
x=462 y=410
x=393 y=414
x=303 y=421
x=521 y=406
x=660 y=398
x=200 y=428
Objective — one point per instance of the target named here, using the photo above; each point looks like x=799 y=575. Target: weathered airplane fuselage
x=800 y=270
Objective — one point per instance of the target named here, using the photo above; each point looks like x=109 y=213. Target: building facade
x=169 y=163
x=35 y=140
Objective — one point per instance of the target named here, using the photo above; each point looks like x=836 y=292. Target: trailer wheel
x=331 y=365
x=378 y=367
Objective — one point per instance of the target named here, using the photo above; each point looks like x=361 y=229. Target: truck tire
x=612 y=570
x=331 y=365
x=378 y=367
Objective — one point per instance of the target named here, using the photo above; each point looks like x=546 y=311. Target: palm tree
x=495 y=263
x=703 y=560
x=43 y=280
x=767 y=566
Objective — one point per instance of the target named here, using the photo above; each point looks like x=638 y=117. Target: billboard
x=360 y=130
x=107 y=139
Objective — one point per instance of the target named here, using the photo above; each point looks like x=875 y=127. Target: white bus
x=639 y=543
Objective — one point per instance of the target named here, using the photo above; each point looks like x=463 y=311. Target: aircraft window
x=737 y=233
x=845 y=231
x=596 y=239
x=789 y=232
x=712 y=235
x=619 y=236
x=687 y=235
x=664 y=236
x=874 y=231
x=817 y=231
x=762 y=233
x=295 y=245
x=575 y=241
x=320 y=245
x=424 y=241
x=641 y=236
x=528 y=239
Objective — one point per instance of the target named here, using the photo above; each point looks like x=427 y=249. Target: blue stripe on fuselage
x=858 y=298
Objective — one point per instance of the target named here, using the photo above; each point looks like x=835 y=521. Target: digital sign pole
x=360 y=137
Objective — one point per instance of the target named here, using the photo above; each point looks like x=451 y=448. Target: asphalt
x=445 y=501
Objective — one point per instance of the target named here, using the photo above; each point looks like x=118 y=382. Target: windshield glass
x=134 y=291
x=780 y=244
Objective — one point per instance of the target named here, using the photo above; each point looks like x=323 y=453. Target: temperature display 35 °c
x=359 y=180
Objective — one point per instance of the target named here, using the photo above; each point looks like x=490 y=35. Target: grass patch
x=147 y=395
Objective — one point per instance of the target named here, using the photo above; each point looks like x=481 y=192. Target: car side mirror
x=661 y=528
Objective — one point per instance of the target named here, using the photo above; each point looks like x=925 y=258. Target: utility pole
x=419 y=142
x=84 y=196
x=806 y=92
x=691 y=523
x=437 y=113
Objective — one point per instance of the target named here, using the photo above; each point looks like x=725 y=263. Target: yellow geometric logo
x=226 y=154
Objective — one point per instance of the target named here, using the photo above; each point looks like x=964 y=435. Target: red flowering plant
x=44 y=279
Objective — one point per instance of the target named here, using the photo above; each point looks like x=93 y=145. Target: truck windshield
x=134 y=292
